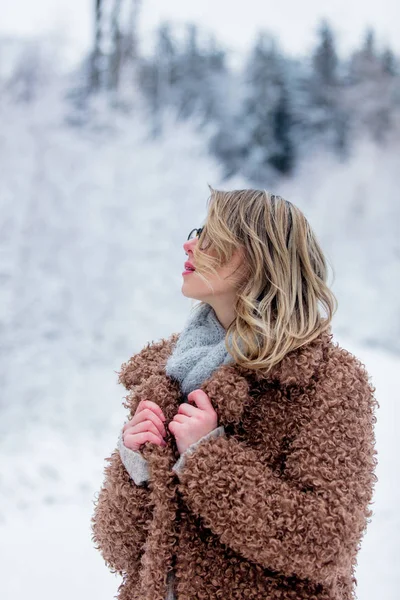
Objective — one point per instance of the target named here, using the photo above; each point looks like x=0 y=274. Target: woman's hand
x=191 y=422
x=145 y=426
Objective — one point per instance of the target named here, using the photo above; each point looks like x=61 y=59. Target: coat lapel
x=228 y=387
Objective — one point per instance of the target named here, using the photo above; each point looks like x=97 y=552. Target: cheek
x=224 y=282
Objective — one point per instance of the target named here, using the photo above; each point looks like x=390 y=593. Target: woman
x=246 y=466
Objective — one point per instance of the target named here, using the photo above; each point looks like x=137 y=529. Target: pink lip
x=187 y=272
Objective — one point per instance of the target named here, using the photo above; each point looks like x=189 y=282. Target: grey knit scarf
x=199 y=350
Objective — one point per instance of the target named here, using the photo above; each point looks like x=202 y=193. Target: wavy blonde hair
x=277 y=303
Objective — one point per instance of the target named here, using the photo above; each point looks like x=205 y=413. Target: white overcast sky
x=294 y=22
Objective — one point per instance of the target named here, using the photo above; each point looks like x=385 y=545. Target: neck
x=224 y=314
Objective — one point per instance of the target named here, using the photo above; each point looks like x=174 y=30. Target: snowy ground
x=91 y=233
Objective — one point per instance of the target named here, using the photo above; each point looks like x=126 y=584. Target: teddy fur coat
x=274 y=509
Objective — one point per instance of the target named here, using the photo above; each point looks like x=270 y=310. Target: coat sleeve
x=177 y=467
x=308 y=520
x=119 y=518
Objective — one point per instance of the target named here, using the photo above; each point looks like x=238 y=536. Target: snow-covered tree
x=323 y=117
x=185 y=75
x=372 y=89
x=264 y=139
x=115 y=44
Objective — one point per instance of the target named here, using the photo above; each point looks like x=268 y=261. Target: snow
x=93 y=222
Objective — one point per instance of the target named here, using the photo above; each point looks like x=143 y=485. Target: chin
x=189 y=294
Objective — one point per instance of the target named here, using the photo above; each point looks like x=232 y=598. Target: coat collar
x=229 y=385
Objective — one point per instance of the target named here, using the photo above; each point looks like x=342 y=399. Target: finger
x=131 y=422
x=138 y=439
x=132 y=438
x=153 y=406
x=174 y=427
x=146 y=425
x=200 y=398
x=147 y=413
x=180 y=418
x=127 y=424
x=187 y=409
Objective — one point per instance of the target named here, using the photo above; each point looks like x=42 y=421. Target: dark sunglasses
x=195 y=233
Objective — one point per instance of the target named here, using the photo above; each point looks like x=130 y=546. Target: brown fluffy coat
x=275 y=509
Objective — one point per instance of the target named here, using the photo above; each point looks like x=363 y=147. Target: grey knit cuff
x=134 y=462
x=178 y=466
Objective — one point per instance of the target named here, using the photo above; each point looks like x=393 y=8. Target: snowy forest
x=104 y=171
x=264 y=114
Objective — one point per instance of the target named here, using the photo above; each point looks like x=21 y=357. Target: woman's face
x=224 y=288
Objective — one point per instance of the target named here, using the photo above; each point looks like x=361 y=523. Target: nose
x=189 y=244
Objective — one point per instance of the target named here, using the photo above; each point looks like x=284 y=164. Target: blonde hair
x=276 y=305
